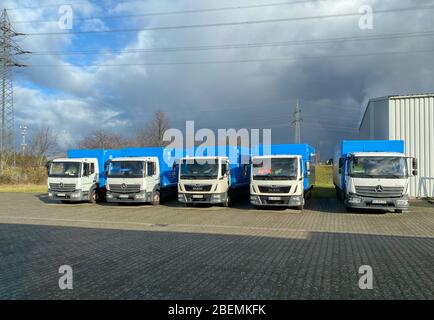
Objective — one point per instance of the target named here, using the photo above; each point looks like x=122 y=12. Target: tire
x=300 y=208
x=226 y=203
x=188 y=205
x=156 y=198
x=398 y=211
x=349 y=210
x=65 y=201
x=93 y=196
x=338 y=195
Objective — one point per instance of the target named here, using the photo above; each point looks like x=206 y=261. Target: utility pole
x=8 y=50
x=23 y=139
x=297 y=122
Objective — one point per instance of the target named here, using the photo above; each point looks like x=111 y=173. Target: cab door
x=226 y=172
x=152 y=175
x=87 y=177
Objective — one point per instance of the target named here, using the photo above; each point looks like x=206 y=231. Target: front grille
x=379 y=191
x=124 y=188
x=274 y=189
x=62 y=187
x=198 y=187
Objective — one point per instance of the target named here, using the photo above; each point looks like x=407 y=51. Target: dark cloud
x=254 y=95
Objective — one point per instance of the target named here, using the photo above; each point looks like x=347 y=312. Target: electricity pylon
x=8 y=51
x=297 y=122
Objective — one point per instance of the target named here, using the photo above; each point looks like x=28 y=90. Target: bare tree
x=152 y=135
x=42 y=143
x=99 y=139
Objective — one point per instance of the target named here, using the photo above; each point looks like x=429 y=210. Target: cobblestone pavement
x=173 y=252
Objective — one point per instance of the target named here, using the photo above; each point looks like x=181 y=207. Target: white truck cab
x=204 y=180
x=72 y=180
x=374 y=180
x=133 y=179
x=277 y=180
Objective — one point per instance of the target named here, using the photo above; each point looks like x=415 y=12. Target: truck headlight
x=354 y=200
x=402 y=202
x=139 y=196
x=254 y=199
x=109 y=196
x=75 y=194
x=50 y=194
x=216 y=197
x=295 y=200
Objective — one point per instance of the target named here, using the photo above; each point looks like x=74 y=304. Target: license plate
x=123 y=196
x=379 y=201
x=197 y=196
x=274 y=198
x=61 y=195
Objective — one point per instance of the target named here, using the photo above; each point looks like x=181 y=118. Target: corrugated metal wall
x=412 y=119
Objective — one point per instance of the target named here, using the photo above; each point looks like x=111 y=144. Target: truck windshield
x=275 y=169
x=199 y=170
x=65 y=169
x=378 y=167
x=131 y=169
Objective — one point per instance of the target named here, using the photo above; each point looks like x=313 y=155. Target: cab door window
x=151 y=168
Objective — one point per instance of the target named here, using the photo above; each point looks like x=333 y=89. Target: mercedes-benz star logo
x=123 y=186
x=379 y=189
x=61 y=184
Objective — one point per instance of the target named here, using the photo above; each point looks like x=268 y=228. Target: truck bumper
x=214 y=198
x=357 y=202
x=74 y=196
x=281 y=201
x=142 y=196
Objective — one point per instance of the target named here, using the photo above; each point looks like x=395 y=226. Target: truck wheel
x=188 y=204
x=156 y=198
x=226 y=203
x=93 y=196
x=349 y=210
x=398 y=211
x=300 y=207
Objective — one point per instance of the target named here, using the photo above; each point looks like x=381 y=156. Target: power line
x=281 y=59
x=70 y=2
x=223 y=24
x=141 y=15
x=245 y=45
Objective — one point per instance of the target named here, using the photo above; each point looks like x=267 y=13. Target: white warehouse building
x=409 y=118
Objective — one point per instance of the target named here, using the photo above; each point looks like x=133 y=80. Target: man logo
x=197 y=188
x=378 y=189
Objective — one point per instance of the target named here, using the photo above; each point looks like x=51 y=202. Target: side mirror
x=47 y=167
x=340 y=170
x=308 y=166
x=415 y=172
x=414 y=164
x=227 y=168
x=341 y=162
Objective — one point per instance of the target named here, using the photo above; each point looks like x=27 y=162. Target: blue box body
x=166 y=158
x=239 y=161
x=306 y=152
x=102 y=155
x=349 y=146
